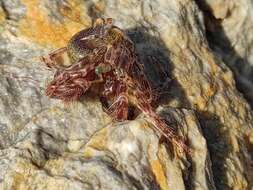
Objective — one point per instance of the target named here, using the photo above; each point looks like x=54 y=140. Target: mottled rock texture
x=230 y=34
x=48 y=145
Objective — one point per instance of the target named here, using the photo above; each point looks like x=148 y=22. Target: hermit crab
x=103 y=54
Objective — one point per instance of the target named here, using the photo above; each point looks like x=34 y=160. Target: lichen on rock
x=48 y=145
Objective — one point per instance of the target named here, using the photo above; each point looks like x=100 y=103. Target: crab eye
x=98 y=70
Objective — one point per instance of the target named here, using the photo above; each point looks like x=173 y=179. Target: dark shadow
x=154 y=54
x=220 y=44
x=218 y=144
x=48 y=145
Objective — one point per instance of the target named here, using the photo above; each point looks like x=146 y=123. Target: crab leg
x=157 y=121
x=50 y=59
x=118 y=110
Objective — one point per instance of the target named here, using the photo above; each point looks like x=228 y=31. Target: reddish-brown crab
x=104 y=54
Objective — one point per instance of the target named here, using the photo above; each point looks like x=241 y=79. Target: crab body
x=104 y=55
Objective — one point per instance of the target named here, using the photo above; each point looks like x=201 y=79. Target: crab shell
x=87 y=50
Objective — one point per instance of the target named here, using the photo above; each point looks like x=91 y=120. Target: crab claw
x=65 y=92
x=67 y=88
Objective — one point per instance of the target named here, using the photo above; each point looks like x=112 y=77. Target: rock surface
x=230 y=35
x=48 y=145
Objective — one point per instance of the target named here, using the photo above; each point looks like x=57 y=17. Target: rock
x=230 y=35
x=48 y=145
x=119 y=156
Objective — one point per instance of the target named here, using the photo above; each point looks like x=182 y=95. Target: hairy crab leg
x=118 y=110
x=50 y=59
x=158 y=123
x=144 y=97
x=158 y=87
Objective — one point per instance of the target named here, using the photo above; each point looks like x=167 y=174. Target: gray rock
x=14 y=9
x=48 y=145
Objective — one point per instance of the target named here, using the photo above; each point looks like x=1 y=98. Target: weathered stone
x=230 y=35
x=48 y=145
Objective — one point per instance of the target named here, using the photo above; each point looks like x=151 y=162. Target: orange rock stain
x=2 y=16
x=159 y=174
x=38 y=27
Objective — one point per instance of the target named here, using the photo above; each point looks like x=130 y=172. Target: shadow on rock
x=217 y=138
x=221 y=44
x=154 y=54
